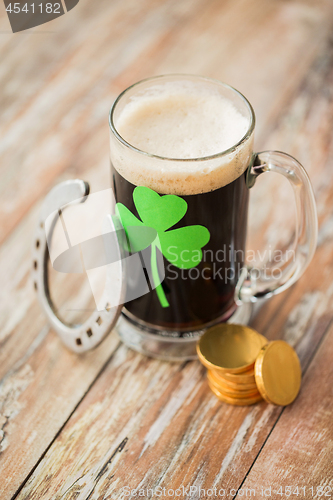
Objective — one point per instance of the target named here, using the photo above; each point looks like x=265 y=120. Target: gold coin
x=218 y=382
x=229 y=348
x=235 y=401
x=239 y=385
x=232 y=393
x=278 y=373
x=238 y=378
x=263 y=339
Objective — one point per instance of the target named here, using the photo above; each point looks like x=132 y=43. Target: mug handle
x=254 y=285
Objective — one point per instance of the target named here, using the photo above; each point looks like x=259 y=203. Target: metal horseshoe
x=84 y=337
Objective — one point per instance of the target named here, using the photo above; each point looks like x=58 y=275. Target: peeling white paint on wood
x=237 y=444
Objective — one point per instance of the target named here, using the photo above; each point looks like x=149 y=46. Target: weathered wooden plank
x=299 y=451
x=167 y=417
x=37 y=396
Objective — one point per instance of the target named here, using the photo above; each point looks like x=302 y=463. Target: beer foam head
x=182 y=120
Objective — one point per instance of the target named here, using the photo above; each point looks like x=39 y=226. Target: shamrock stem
x=156 y=279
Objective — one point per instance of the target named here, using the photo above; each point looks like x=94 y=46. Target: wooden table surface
x=84 y=427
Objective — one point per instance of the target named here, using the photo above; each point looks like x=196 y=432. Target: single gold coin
x=234 y=401
x=229 y=348
x=278 y=373
x=237 y=391
x=238 y=385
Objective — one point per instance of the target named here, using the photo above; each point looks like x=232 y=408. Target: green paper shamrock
x=181 y=247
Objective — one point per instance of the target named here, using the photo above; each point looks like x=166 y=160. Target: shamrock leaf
x=182 y=247
x=159 y=212
x=139 y=236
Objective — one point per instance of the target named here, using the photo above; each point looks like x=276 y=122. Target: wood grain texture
x=299 y=450
x=176 y=432
x=84 y=427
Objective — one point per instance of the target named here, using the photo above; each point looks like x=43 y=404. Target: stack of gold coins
x=244 y=368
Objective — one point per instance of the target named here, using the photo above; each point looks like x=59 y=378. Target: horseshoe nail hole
x=37 y=244
x=35 y=285
x=108 y=307
x=89 y=332
x=99 y=320
x=78 y=342
x=35 y=264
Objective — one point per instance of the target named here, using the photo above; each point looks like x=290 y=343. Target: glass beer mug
x=182 y=166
